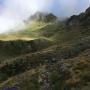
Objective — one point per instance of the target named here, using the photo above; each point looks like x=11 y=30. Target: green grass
x=30 y=32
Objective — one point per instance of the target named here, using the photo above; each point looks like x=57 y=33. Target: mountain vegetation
x=47 y=54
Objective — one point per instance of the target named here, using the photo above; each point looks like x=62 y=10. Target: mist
x=13 y=12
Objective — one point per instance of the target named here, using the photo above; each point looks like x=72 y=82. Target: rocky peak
x=81 y=19
x=88 y=11
x=45 y=17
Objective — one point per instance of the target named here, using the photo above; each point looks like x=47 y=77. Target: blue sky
x=13 y=12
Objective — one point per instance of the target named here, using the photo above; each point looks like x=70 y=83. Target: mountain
x=45 y=17
x=52 y=55
x=82 y=19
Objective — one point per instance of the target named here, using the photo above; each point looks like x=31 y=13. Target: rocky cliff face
x=9 y=49
x=81 y=19
x=45 y=17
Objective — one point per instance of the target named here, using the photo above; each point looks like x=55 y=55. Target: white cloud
x=23 y=8
x=15 y=11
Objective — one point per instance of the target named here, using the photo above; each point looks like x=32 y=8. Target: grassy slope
x=69 y=73
x=70 y=53
x=15 y=44
x=29 y=32
x=71 y=60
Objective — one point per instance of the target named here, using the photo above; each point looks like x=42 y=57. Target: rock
x=45 y=17
x=88 y=11
x=81 y=19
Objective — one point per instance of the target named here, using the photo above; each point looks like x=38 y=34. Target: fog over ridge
x=13 y=12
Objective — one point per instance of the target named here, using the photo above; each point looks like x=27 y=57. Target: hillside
x=51 y=55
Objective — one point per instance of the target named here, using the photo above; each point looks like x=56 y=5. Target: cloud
x=13 y=12
x=22 y=8
x=6 y=24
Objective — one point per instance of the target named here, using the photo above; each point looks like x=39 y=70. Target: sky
x=13 y=12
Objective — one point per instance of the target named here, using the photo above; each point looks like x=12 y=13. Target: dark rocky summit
x=45 y=17
x=81 y=19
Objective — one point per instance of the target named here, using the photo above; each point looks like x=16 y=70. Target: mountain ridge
x=63 y=64
x=82 y=18
x=44 y=17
